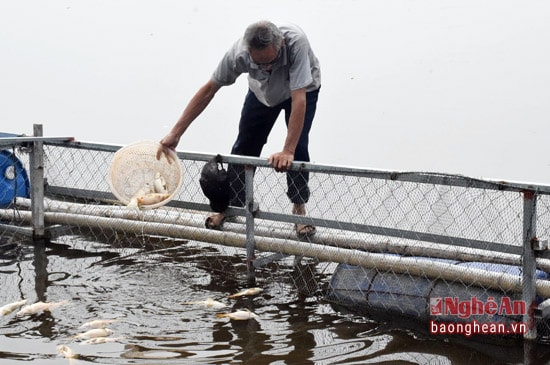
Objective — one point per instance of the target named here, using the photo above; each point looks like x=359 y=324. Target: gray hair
x=263 y=34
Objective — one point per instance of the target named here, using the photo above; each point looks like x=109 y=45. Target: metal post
x=250 y=241
x=36 y=164
x=529 y=263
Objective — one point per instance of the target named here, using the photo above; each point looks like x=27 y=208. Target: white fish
x=147 y=199
x=67 y=352
x=249 y=291
x=94 y=333
x=8 y=308
x=238 y=315
x=133 y=204
x=209 y=303
x=98 y=323
x=39 y=307
x=98 y=340
x=159 y=184
x=144 y=190
x=151 y=198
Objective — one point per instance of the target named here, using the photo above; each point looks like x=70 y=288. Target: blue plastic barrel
x=14 y=180
x=364 y=290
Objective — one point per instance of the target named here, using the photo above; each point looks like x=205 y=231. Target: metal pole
x=529 y=263
x=36 y=164
x=250 y=241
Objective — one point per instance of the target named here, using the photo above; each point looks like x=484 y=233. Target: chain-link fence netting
x=428 y=247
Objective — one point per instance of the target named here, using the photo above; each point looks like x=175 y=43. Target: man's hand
x=281 y=161
x=167 y=147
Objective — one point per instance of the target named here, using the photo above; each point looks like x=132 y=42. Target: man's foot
x=302 y=230
x=305 y=230
x=215 y=221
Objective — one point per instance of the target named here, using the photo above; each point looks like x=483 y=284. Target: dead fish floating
x=94 y=333
x=10 y=307
x=66 y=352
x=98 y=323
x=99 y=340
x=239 y=315
x=39 y=307
x=246 y=292
x=208 y=303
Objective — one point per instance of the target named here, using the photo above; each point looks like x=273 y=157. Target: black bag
x=215 y=184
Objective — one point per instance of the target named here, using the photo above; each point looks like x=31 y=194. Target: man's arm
x=196 y=106
x=282 y=161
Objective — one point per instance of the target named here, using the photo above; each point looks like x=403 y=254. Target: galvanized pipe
x=529 y=262
x=37 y=184
x=327 y=237
x=250 y=242
x=404 y=265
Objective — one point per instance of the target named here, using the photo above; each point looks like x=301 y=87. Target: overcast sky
x=443 y=86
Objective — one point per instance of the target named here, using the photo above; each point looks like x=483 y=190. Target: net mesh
x=384 y=243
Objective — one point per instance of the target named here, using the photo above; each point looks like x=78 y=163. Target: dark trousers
x=256 y=123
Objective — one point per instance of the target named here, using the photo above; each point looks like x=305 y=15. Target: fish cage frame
x=531 y=255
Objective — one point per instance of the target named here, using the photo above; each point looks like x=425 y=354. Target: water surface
x=144 y=281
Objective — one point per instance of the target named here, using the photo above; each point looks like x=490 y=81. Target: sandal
x=210 y=222
x=305 y=230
